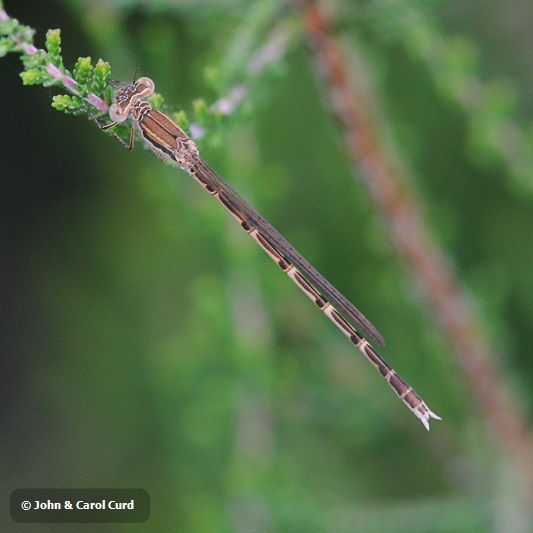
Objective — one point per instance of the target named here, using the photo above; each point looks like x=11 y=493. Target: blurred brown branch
x=426 y=261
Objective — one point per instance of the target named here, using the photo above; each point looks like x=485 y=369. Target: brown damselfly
x=168 y=141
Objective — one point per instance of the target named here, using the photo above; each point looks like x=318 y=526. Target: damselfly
x=168 y=141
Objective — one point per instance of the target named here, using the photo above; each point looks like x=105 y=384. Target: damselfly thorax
x=161 y=134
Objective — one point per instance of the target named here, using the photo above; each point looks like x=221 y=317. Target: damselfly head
x=128 y=96
x=124 y=101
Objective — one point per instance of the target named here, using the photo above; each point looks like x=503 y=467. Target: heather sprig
x=87 y=90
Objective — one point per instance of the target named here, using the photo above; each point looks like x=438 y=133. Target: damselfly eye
x=145 y=87
x=117 y=114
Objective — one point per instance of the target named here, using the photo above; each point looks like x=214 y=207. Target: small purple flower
x=53 y=71
x=29 y=48
x=97 y=102
x=69 y=82
x=197 y=132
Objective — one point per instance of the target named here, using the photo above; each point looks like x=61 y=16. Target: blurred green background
x=148 y=342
